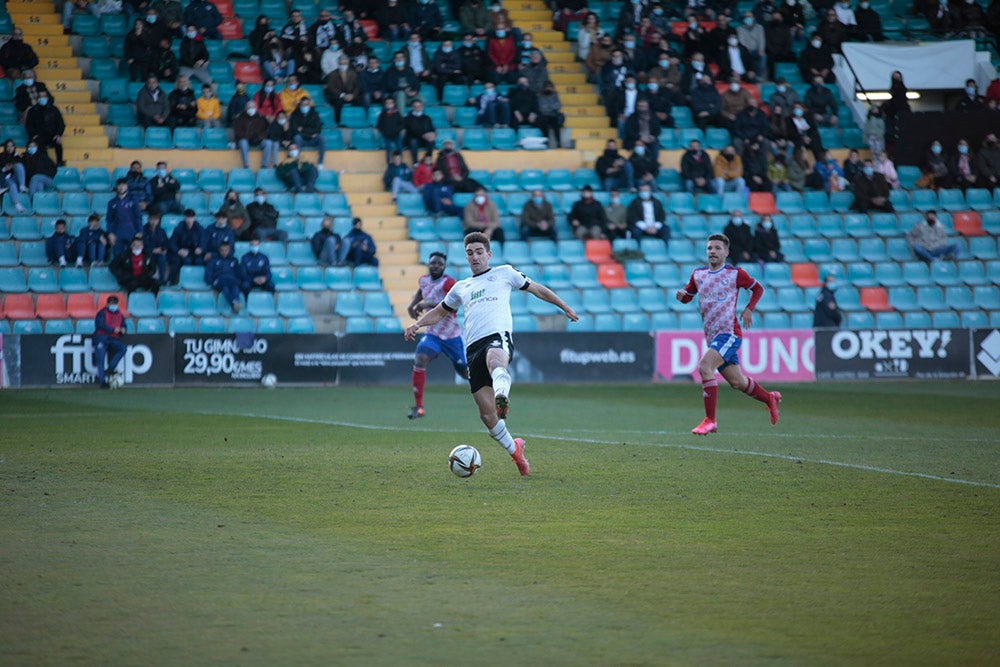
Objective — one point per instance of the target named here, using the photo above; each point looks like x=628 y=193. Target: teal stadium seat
x=301 y=325
x=159 y=138
x=215 y=139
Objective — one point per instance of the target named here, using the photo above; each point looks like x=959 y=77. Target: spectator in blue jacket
x=185 y=246
x=204 y=16
x=439 y=196
x=124 y=218
x=359 y=246
x=60 y=248
x=92 y=243
x=373 y=83
x=216 y=235
x=157 y=244
x=224 y=273
x=139 y=187
x=109 y=327
x=256 y=269
x=398 y=176
x=326 y=243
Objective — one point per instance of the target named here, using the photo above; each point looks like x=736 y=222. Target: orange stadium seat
x=231 y=28
x=247 y=71
x=370 y=28
x=875 y=299
x=81 y=306
x=51 y=306
x=18 y=307
x=968 y=223
x=805 y=274
x=762 y=202
x=598 y=251
x=611 y=275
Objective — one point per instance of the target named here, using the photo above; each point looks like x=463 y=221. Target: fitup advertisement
x=246 y=358
x=69 y=360
x=986 y=350
x=583 y=357
x=927 y=354
x=781 y=355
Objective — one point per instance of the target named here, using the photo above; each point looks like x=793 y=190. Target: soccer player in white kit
x=487 y=331
x=717 y=287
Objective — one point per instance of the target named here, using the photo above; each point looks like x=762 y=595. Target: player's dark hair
x=720 y=237
x=434 y=254
x=477 y=237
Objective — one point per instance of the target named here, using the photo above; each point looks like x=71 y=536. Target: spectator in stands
x=124 y=218
x=755 y=166
x=600 y=54
x=474 y=18
x=276 y=60
x=425 y=19
x=398 y=176
x=694 y=38
x=740 y=237
x=163 y=190
x=660 y=96
x=697 y=171
x=359 y=246
x=943 y=18
x=26 y=94
x=456 y=172
x=45 y=126
x=615 y=77
x=587 y=217
x=751 y=124
x=402 y=83
x=492 y=108
x=156 y=244
x=794 y=17
x=140 y=188
x=205 y=18
x=929 y=240
x=224 y=273
x=750 y=35
x=613 y=170
x=446 y=67
x=264 y=218
x=268 y=101
x=728 y=167
x=501 y=54
x=535 y=71
x=237 y=103
x=250 y=130
x=307 y=127
x=216 y=235
x=183 y=105
x=292 y=95
x=988 y=162
x=781 y=132
x=784 y=95
x=645 y=167
x=256 y=270
x=185 y=245
x=499 y=16
x=331 y=57
x=766 y=244
x=419 y=134
x=12 y=173
x=280 y=136
x=523 y=105
x=963 y=167
x=706 y=103
x=236 y=214
x=874 y=131
x=350 y=27
x=821 y=104
x=60 y=248
x=550 y=116
x=871 y=191
x=971 y=19
x=869 y=23
x=620 y=101
x=390 y=125
x=802 y=131
x=194 y=56
x=439 y=196
x=829 y=173
x=733 y=101
x=163 y=64
x=109 y=327
x=833 y=32
x=297 y=174
x=39 y=169
x=473 y=60
x=971 y=99
x=883 y=165
x=993 y=90
x=481 y=215
x=208 y=111
x=736 y=61
x=816 y=60
x=826 y=314
x=134 y=269
x=646 y=216
x=309 y=68
x=416 y=57
x=169 y=18
x=326 y=243
x=852 y=167
x=538 y=218
x=798 y=169
x=323 y=31
x=616 y=225
x=393 y=21
x=642 y=126
x=423 y=171
x=72 y=7
x=373 y=88
x=17 y=56
x=778 y=43
x=92 y=244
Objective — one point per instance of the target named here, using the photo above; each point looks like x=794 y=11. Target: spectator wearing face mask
x=988 y=162
x=473 y=60
x=729 y=171
x=929 y=239
x=826 y=314
x=426 y=19
x=45 y=125
x=935 y=172
x=250 y=131
x=871 y=191
x=109 y=327
x=706 y=104
x=778 y=40
x=264 y=218
x=750 y=35
x=343 y=87
x=821 y=104
x=297 y=174
x=256 y=270
x=17 y=55
x=733 y=102
x=501 y=53
x=816 y=60
x=766 y=244
x=740 y=236
x=492 y=108
x=164 y=189
x=963 y=168
x=869 y=28
x=538 y=218
x=481 y=215
x=646 y=216
x=971 y=100
x=446 y=67
x=308 y=129
x=194 y=56
x=736 y=61
x=419 y=133
x=755 y=166
x=292 y=95
x=645 y=166
x=402 y=83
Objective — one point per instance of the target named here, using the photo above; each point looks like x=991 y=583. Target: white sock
x=501 y=381
x=503 y=436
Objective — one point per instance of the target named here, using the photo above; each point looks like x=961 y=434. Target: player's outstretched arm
x=432 y=316
x=545 y=294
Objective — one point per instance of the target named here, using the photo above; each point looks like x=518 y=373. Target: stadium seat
x=18 y=307
x=845 y=250
x=51 y=307
x=142 y=304
x=328 y=181
x=213 y=324
x=944 y=273
x=815 y=201
x=959 y=298
x=597 y=301
x=42 y=280
x=366 y=139
x=584 y=276
x=503 y=139
x=624 y=301
x=366 y=278
x=25 y=229
x=983 y=247
x=805 y=274
x=475 y=139
x=986 y=297
x=611 y=275
x=572 y=251
x=818 y=250
x=790 y=202
x=860 y=320
x=159 y=138
x=949 y=200
x=27 y=327
x=505 y=180
x=924 y=200
x=945 y=319
x=639 y=274
x=301 y=325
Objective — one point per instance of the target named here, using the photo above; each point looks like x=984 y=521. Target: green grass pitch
x=321 y=527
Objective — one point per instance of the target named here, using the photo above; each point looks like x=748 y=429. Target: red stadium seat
x=51 y=306
x=19 y=307
x=225 y=7
x=762 y=202
x=875 y=298
x=102 y=300
x=752 y=88
x=81 y=306
x=968 y=223
x=370 y=28
x=247 y=72
x=805 y=275
x=611 y=275
x=231 y=28
x=598 y=251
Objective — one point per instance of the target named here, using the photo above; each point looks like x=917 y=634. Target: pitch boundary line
x=696 y=448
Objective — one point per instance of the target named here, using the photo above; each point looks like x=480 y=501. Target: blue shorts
x=727 y=345
x=453 y=348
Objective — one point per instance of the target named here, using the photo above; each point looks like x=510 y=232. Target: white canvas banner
x=932 y=66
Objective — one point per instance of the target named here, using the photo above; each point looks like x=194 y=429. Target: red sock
x=755 y=390
x=710 y=392
x=419 y=377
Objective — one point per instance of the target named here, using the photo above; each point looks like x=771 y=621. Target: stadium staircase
x=84 y=142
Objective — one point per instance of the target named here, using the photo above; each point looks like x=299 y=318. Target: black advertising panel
x=386 y=359
x=925 y=354
x=986 y=352
x=68 y=359
x=583 y=357
x=246 y=358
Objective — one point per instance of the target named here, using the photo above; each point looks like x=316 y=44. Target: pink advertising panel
x=781 y=355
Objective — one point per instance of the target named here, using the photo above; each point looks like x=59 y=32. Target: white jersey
x=486 y=299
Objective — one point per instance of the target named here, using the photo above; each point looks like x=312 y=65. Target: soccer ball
x=464 y=461
x=270 y=381
x=116 y=381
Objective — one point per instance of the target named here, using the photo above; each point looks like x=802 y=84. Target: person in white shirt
x=485 y=298
x=646 y=216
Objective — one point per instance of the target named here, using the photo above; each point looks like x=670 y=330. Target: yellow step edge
x=522 y=16
x=86 y=143
x=58 y=84
x=53 y=50
x=85 y=131
x=25 y=18
x=42 y=30
x=74 y=97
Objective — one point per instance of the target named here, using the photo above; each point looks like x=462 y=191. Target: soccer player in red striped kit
x=717 y=287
